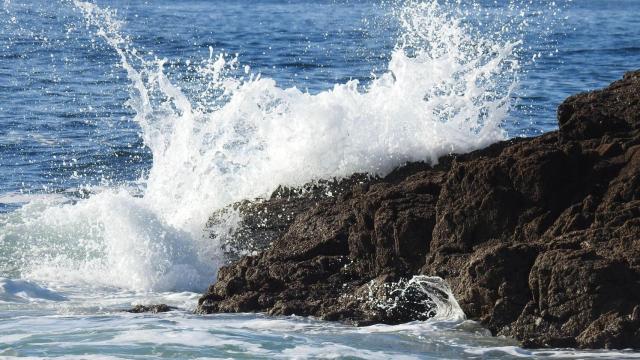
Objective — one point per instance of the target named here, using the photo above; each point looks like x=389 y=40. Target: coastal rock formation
x=538 y=238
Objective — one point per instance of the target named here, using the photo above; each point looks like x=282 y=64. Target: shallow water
x=122 y=128
x=94 y=326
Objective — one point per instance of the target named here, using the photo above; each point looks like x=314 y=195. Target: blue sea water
x=103 y=192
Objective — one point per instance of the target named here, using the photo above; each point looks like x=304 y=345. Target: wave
x=12 y=290
x=447 y=89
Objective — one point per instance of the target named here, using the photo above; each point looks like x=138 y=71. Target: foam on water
x=12 y=290
x=111 y=239
x=447 y=89
x=182 y=335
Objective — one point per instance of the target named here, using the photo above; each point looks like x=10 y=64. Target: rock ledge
x=538 y=238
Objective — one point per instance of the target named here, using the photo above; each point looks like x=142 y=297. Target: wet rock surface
x=154 y=309
x=538 y=238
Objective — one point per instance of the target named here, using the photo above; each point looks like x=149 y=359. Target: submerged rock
x=154 y=309
x=538 y=238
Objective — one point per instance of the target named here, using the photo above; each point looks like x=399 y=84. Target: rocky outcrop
x=538 y=238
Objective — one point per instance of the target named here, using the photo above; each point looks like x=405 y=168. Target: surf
x=447 y=89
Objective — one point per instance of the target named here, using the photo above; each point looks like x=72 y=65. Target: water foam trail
x=447 y=89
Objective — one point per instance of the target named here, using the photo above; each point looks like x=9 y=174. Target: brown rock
x=538 y=238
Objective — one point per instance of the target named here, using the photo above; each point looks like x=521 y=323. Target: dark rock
x=264 y=220
x=154 y=309
x=615 y=109
x=538 y=238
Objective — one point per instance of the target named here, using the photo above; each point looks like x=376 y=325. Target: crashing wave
x=447 y=89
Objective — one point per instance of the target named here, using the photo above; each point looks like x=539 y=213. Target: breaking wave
x=447 y=89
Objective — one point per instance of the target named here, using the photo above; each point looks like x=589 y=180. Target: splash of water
x=424 y=297
x=447 y=89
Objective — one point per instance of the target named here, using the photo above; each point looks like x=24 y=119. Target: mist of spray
x=446 y=90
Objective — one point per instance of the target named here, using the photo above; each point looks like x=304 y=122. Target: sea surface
x=125 y=124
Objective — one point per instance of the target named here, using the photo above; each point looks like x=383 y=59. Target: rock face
x=538 y=238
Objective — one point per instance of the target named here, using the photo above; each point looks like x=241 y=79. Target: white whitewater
x=447 y=89
x=24 y=291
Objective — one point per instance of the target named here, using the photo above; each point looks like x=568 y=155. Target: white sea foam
x=23 y=198
x=329 y=350
x=13 y=290
x=518 y=352
x=447 y=89
x=242 y=335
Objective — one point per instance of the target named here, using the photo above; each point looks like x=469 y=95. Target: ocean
x=125 y=124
